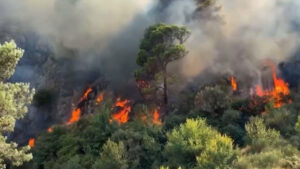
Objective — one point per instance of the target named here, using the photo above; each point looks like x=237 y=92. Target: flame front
x=75 y=116
x=31 y=142
x=280 y=89
x=156 y=117
x=86 y=94
x=77 y=112
x=122 y=115
x=233 y=83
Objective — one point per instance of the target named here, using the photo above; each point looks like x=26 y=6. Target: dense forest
x=185 y=84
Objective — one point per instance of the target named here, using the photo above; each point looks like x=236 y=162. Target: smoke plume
x=236 y=36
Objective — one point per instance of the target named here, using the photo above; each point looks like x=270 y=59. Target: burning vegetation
x=31 y=142
x=227 y=122
x=122 y=115
x=233 y=83
x=279 y=91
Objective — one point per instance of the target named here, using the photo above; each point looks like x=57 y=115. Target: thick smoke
x=231 y=36
x=86 y=31
x=74 y=24
x=236 y=36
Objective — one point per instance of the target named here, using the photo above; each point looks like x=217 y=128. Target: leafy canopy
x=14 y=98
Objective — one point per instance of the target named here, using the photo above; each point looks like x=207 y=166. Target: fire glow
x=156 y=118
x=31 y=142
x=279 y=90
x=50 y=130
x=86 y=94
x=122 y=116
x=100 y=98
x=233 y=83
x=75 y=116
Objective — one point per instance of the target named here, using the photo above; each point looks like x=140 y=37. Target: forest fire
x=279 y=90
x=75 y=116
x=85 y=95
x=156 y=118
x=100 y=98
x=233 y=83
x=122 y=115
x=31 y=142
x=76 y=113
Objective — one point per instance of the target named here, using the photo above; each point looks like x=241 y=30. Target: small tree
x=14 y=98
x=113 y=156
x=161 y=45
x=196 y=145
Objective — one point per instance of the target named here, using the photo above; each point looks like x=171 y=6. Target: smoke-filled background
x=71 y=44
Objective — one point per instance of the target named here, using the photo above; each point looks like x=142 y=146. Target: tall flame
x=233 y=83
x=76 y=113
x=31 y=142
x=75 y=116
x=122 y=115
x=280 y=89
x=156 y=119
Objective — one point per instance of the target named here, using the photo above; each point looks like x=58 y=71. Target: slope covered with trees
x=210 y=127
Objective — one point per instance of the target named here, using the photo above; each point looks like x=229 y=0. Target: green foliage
x=161 y=45
x=266 y=149
x=259 y=137
x=113 y=156
x=297 y=126
x=213 y=99
x=9 y=58
x=84 y=138
x=14 y=99
x=194 y=144
x=144 y=144
x=278 y=118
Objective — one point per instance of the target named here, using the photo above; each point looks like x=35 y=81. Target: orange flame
x=75 y=116
x=233 y=83
x=77 y=112
x=122 y=115
x=100 y=98
x=31 y=142
x=85 y=95
x=50 y=130
x=156 y=120
x=280 y=89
